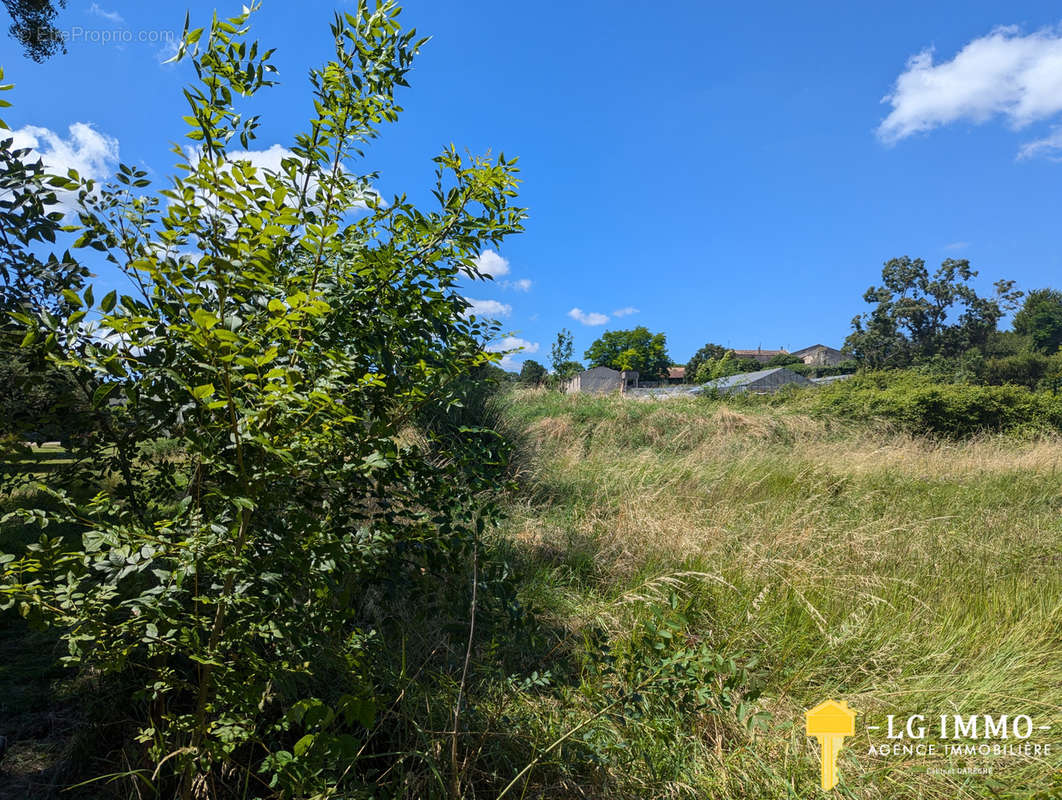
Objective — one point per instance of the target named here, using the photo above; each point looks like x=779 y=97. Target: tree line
x=934 y=321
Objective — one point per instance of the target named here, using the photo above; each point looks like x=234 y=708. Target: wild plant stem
x=455 y=774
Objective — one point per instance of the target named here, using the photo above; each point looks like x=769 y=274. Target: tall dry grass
x=903 y=574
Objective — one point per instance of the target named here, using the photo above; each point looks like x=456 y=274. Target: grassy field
x=691 y=578
x=828 y=560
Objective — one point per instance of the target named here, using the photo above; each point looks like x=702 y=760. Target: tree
x=635 y=349
x=35 y=401
x=723 y=367
x=783 y=360
x=1040 y=318
x=728 y=364
x=709 y=351
x=918 y=316
x=33 y=26
x=532 y=373
x=303 y=348
x=561 y=354
x=704 y=371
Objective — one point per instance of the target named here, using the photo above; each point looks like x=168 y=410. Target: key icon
x=830 y=722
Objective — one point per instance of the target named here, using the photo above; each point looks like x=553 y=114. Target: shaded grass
x=35 y=460
x=39 y=713
x=826 y=558
x=903 y=574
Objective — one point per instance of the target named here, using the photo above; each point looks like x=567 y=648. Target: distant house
x=676 y=374
x=764 y=381
x=601 y=380
x=759 y=354
x=819 y=355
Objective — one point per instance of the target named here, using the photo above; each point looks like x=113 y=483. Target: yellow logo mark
x=830 y=722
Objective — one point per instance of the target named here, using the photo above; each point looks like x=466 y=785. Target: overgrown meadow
x=806 y=557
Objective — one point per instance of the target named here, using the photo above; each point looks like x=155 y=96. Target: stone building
x=601 y=380
x=676 y=374
x=819 y=355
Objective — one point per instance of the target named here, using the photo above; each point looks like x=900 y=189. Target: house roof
x=759 y=351
x=602 y=370
x=676 y=372
x=813 y=347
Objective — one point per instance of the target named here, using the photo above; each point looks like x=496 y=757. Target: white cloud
x=514 y=348
x=625 y=312
x=588 y=318
x=270 y=159
x=87 y=150
x=167 y=50
x=521 y=285
x=110 y=16
x=1002 y=74
x=956 y=245
x=490 y=263
x=93 y=154
x=1049 y=147
x=487 y=308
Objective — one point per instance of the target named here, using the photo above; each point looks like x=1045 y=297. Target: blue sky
x=720 y=174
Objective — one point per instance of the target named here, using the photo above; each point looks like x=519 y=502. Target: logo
x=927 y=736
x=830 y=722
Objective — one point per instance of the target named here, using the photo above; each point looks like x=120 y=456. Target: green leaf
x=358 y=709
x=103 y=391
x=115 y=367
x=108 y=301
x=205 y=390
x=205 y=319
x=304 y=744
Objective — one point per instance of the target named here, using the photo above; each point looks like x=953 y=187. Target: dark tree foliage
x=709 y=351
x=532 y=373
x=35 y=401
x=33 y=26
x=1005 y=343
x=919 y=315
x=783 y=360
x=636 y=349
x=1040 y=319
x=1024 y=369
x=38 y=401
x=567 y=369
x=748 y=365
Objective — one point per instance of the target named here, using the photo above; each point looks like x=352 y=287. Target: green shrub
x=1023 y=369
x=821 y=371
x=920 y=405
x=291 y=473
